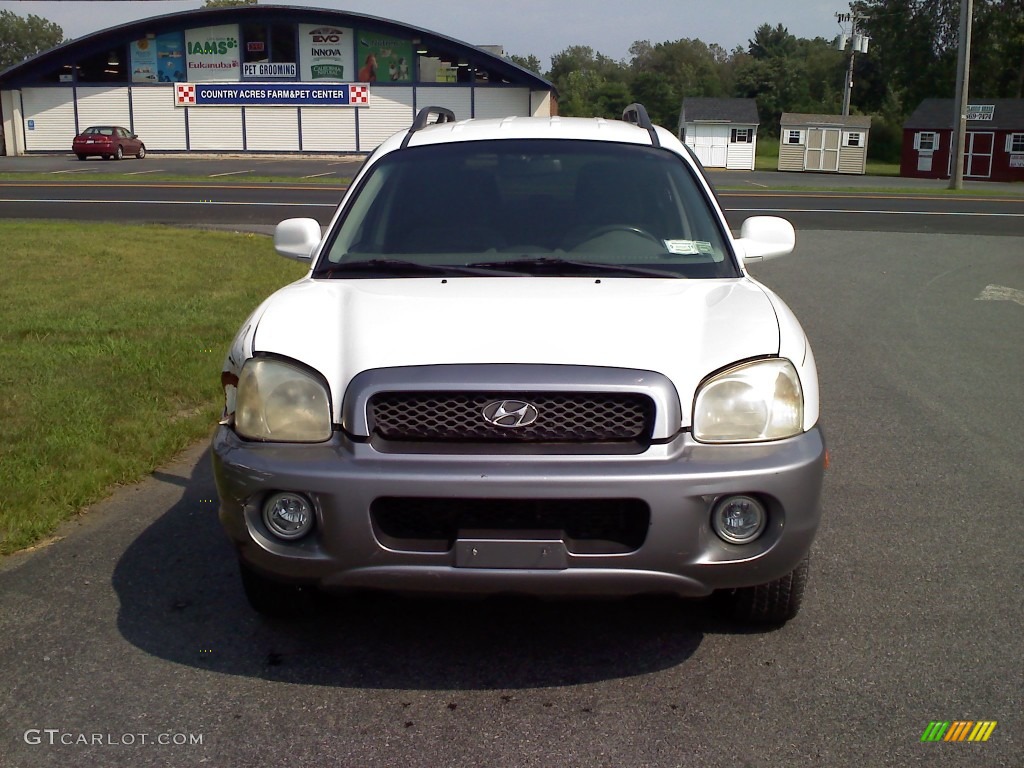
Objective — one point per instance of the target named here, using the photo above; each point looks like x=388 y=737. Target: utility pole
x=963 y=80
x=858 y=43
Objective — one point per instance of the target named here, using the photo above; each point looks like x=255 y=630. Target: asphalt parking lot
x=127 y=640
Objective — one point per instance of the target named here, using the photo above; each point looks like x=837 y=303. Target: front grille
x=562 y=417
x=588 y=526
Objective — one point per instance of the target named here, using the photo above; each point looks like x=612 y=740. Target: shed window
x=926 y=141
x=1015 y=142
x=854 y=139
x=742 y=136
x=794 y=137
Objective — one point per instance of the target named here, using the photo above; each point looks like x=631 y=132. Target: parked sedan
x=108 y=141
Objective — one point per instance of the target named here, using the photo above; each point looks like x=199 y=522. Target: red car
x=108 y=141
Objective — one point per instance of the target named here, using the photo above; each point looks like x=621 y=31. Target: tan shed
x=824 y=143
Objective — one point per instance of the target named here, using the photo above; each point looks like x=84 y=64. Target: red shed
x=993 y=147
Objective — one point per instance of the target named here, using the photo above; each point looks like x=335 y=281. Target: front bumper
x=677 y=483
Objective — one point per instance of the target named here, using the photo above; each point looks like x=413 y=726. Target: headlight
x=280 y=402
x=755 y=401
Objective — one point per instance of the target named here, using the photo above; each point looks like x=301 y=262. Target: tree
x=772 y=42
x=998 y=48
x=583 y=79
x=530 y=62
x=21 y=38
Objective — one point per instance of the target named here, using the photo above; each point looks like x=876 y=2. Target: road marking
x=755 y=184
x=229 y=173
x=785 y=193
x=139 y=173
x=75 y=170
x=1001 y=293
x=316 y=175
x=163 y=185
x=967 y=214
x=170 y=202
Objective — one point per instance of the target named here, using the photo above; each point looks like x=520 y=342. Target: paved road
x=326 y=167
x=238 y=204
x=133 y=626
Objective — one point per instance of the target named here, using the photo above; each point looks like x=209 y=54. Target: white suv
x=527 y=357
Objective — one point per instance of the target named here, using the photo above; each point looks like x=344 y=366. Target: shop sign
x=271 y=95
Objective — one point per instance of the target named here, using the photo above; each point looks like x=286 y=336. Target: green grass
x=766 y=157
x=878 y=168
x=111 y=344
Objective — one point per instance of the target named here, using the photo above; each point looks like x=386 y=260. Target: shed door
x=710 y=143
x=978 y=154
x=822 y=153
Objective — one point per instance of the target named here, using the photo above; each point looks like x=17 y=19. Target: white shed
x=722 y=132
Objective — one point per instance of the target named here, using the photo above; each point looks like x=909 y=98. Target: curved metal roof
x=27 y=71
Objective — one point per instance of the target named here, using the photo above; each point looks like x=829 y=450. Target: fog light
x=288 y=515
x=739 y=519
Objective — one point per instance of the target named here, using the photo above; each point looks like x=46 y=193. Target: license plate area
x=532 y=550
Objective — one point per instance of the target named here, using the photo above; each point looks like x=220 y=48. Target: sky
x=524 y=27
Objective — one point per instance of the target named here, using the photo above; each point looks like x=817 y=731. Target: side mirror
x=297 y=238
x=765 y=237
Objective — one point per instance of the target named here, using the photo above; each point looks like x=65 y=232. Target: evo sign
x=271 y=95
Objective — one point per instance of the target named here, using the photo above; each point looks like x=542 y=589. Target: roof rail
x=637 y=115
x=423 y=120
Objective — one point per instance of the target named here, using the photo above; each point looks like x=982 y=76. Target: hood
x=684 y=329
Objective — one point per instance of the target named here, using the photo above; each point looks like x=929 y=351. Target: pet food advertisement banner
x=384 y=60
x=213 y=53
x=326 y=53
x=143 y=60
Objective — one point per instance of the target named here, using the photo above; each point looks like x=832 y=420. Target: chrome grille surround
x=563 y=416
x=588 y=403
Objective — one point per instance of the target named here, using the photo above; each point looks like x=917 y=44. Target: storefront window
x=282 y=43
x=256 y=45
x=110 y=66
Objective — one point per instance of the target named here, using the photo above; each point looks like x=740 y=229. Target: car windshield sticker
x=688 y=247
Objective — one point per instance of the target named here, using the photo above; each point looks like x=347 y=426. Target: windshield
x=511 y=208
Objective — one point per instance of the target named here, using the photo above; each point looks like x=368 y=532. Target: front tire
x=274 y=599
x=773 y=603
x=119 y=154
x=141 y=153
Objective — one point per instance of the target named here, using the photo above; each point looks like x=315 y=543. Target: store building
x=258 y=78
x=824 y=143
x=722 y=132
x=993 y=142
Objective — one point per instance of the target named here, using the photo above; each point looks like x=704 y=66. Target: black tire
x=274 y=599
x=773 y=603
x=142 y=151
x=81 y=157
x=119 y=155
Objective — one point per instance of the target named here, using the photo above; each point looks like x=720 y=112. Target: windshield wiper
x=397 y=267
x=548 y=265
